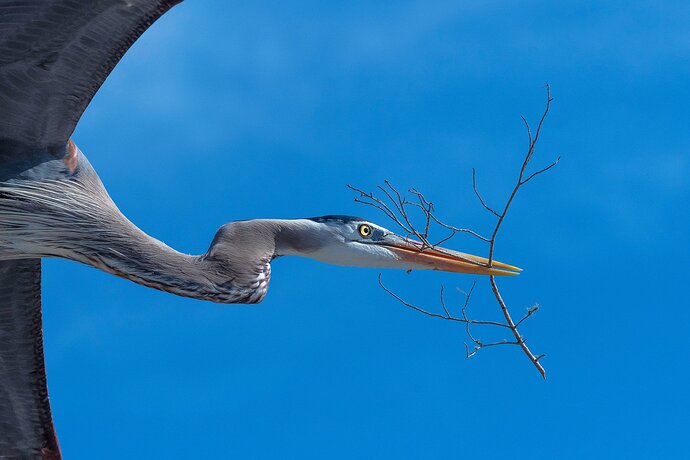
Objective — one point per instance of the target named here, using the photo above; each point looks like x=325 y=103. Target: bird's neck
x=134 y=255
x=76 y=219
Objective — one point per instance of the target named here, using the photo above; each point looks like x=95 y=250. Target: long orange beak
x=447 y=260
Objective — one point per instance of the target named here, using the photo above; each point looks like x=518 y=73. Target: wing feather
x=26 y=425
x=54 y=56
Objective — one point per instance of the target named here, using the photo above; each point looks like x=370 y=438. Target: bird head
x=241 y=252
x=346 y=240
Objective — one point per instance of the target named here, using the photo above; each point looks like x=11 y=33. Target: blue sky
x=226 y=111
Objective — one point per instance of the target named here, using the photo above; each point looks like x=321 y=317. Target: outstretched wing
x=54 y=55
x=26 y=426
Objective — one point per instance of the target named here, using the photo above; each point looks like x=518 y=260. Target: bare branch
x=481 y=200
x=396 y=208
x=529 y=131
x=378 y=204
x=543 y=170
x=492 y=279
x=443 y=302
x=437 y=315
x=520 y=340
x=520 y=183
x=530 y=311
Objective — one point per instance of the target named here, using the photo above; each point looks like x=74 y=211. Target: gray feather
x=26 y=426
x=54 y=56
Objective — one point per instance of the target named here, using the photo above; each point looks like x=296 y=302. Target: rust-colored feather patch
x=71 y=157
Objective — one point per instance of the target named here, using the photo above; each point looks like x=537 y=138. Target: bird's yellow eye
x=365 y=230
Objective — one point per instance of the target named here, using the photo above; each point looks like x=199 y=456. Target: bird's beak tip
x=504 y=273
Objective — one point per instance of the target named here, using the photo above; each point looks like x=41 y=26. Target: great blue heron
x=54 y=55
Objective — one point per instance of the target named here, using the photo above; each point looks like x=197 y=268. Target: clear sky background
x=225 y=111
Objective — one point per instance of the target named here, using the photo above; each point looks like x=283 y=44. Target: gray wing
x=26 y=426
x=54 y=55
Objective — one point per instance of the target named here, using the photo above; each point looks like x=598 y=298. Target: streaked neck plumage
x=69 y=214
